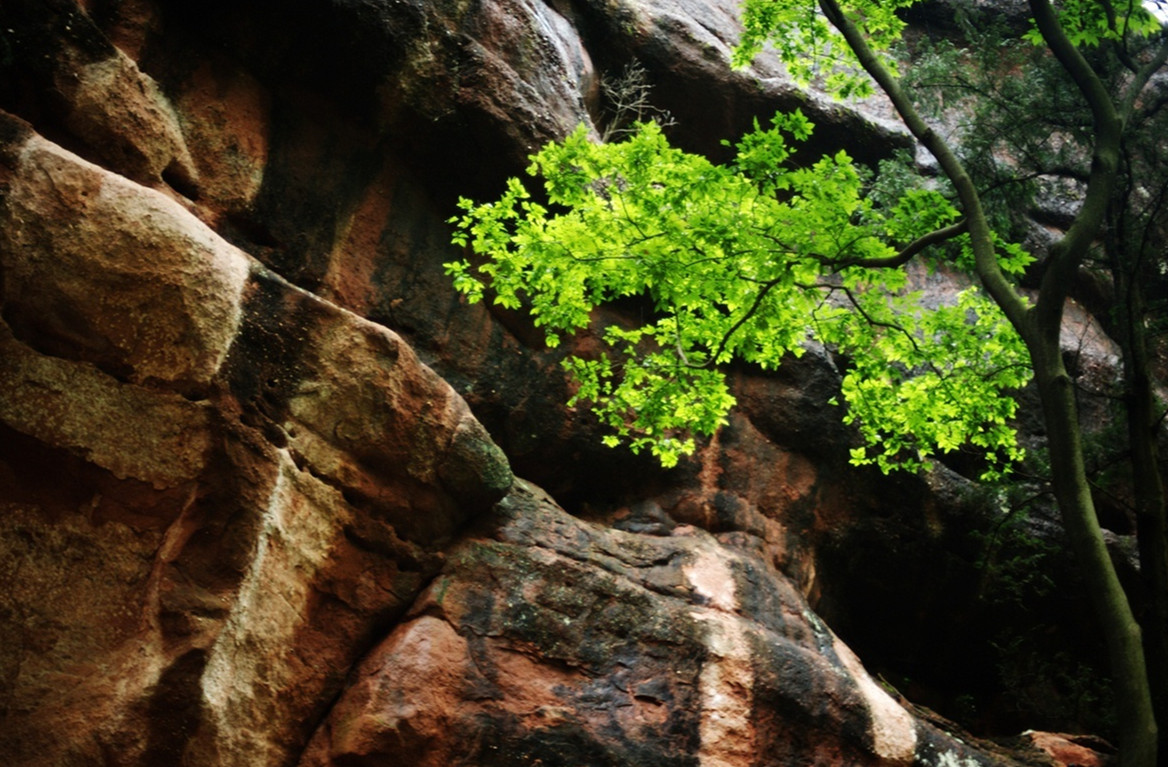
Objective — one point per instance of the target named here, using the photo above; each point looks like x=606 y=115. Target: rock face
x=217 y=487
x=549 y=640
x=246 y=514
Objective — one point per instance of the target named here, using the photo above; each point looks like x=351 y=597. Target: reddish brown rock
x=108 y=95
x=549 y=640
x=216 y=488
x=159 y=438
x=1066 y=750
x=226 y=117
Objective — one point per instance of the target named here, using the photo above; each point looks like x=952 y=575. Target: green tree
x=1078 y=23
x=1019 y=104
x=756 y=259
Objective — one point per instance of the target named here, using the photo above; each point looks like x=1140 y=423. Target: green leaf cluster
x=1088 y=23
x=941 y=389
x=811 y=48
x=750 y=261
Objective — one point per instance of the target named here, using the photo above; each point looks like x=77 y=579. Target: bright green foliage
x=1091 y=22
x=911 y=398
x=810 y=47
x=750 y=261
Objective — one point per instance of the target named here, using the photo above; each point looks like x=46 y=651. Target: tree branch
x=907 y=253
x=1067 y=253
x=981 y=238
x=754 y=307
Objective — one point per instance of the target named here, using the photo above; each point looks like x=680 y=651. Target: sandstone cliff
x=248 y=516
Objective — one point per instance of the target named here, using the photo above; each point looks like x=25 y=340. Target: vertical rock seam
x=726 y=683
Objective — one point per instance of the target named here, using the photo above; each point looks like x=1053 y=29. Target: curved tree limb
x=908 y=253
x=1066 y=254
x=981 y=238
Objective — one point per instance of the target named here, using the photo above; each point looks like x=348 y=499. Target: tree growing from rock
x=760 y=258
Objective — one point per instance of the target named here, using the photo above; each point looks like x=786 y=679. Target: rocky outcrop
x=550 y=640
x=217 y=487
x=246 y=514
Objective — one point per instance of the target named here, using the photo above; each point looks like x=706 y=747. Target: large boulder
x=216 y=488
x=550 y=640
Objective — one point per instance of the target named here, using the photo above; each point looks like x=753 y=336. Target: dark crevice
x=174 y=710
x=179 y=179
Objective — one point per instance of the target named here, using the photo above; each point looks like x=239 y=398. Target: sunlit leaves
x=749 y=261
x=810 y=48
x=916 y=209
x=938 y=390
x=1088 y=23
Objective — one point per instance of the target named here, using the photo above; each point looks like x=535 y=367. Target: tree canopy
x=752 y=261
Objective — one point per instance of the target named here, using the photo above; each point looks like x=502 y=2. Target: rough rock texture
x=549 y=640
x=216 y=487
x=242 y=523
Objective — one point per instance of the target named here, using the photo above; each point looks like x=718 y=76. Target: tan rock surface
x=215 y=486
x=101 y=269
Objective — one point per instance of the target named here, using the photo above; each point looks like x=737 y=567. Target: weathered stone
x=302 y=610
x=217 y=489
x=225 y=117
x=548 y=640
x=122 y=115
x=156 y=437
x=98 y=268
x=352 y=401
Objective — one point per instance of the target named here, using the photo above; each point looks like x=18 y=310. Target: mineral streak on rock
x=726 y=688
x=218 y=488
